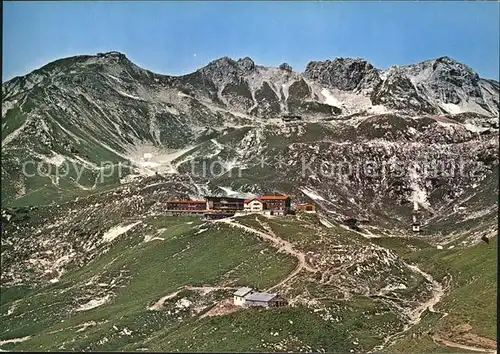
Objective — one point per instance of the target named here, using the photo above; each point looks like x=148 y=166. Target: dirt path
x=414 y=316
x=443 y=342
x=158 y=305
x=437 y=290
x=279 y=243
x=290 y=276
x=437 y=294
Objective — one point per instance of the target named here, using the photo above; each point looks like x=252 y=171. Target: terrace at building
x=224 y=203
x=186 y=206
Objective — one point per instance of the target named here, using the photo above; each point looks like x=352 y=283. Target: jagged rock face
x=226 y=69
x=299 y=91
x=448 y=75
x=398 y=92
x=220 y=69
x=246 y=65
x=436 y=86
x=268 y=103
x=237 y=94
x=343 y=74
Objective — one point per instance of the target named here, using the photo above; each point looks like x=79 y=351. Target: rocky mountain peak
x=113 y=56
x=246 y=64
x=219 y=69
x=230 y=66
x=342 y=73
x=450 y=67
x=285 y=67
x=446 y=59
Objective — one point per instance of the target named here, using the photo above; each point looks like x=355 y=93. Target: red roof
x=250 y=200
x=274 y=197
x=187 y=201
x=268 y=197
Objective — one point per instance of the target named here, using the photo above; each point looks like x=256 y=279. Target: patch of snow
x=149 y=238
x=412 y=131
x=329 y=99
x=182 y=94
x=85 y=325
x=93 y=304
x=451 y=108
x=54 y=280
x=15 y=133
x=311 y=194
x=419 y=194
x=6 y=105
x=474 y=128
x=116 y=231
x=114 y=78
x=391 y=287
x=232 y=193
x=126 y=332
x=56 y=159
x=158 y=159
x=478 y=214
x=129 y=95
x=14 y=340
x=200 y=231
x=378 y=109
x=11 y=310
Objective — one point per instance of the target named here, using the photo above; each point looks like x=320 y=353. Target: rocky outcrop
x=398 y=92
x=285 y=66
x=343 y=73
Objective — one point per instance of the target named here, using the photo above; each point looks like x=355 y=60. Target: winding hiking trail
x=414 y=316
x=279 y=243
x=437 y=294
x=443 y=342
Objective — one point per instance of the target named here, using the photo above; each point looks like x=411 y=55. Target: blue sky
x=179 y=37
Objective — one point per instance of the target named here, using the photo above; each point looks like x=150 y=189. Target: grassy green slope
x=141 y=274
x=134 y=275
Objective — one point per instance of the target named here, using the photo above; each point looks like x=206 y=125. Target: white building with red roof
x=269 y=204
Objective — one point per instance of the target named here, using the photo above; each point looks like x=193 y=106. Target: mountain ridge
x=331 y=87
x=123 y=54
x=90 y=109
